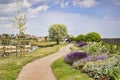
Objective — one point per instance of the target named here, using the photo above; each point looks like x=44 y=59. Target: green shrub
x=114 y=74
x=94 y=48
x=93 y=37
x=80 y=63
x=5 y=39
x=72 y=38
x=101 y=68
x=111 y=48
x=98 y=48
x=81 y=37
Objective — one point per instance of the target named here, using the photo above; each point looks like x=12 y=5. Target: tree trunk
x=57 y=41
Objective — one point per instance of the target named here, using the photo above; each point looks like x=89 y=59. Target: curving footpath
x=41 y=69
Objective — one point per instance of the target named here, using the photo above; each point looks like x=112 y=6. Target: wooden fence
x=112 y=40
x=8 y=50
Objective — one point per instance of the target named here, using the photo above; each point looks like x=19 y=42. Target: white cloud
x=26 y=4
x=42 y=1
x=6 y=8
x=32 y=12
x=36 y=1
x=10 y=8
x=5 y=20
x=5 y=25
x=61 y=3
x=23 y=4
x=76 y=23
x=64 y=4
x=40 y=8
x=85 y=3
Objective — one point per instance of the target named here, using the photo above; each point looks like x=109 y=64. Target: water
x=28 y=49
x=33 y=48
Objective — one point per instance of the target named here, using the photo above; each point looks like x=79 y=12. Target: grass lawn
x=11 y=66
x=46 y=43
x=63 y=71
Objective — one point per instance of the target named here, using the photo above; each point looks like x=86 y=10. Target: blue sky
x=80 y=16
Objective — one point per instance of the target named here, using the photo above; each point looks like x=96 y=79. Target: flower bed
x=101 y=61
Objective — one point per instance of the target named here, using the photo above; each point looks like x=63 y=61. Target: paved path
x=41 y=69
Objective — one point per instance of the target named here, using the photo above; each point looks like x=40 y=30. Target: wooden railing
x=19 y=50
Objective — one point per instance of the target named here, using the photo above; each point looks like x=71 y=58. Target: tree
x=5 y=39
x=72 y=38
x=57 y=32
x=93 y=36
x=19 y=22
x=46 y=38
x=81 y=37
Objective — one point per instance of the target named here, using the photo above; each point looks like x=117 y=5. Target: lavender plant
x=80 y=63
x=74 y=56
x=102 y=57
x=81 y=44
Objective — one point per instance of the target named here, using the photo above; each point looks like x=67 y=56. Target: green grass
x=75 y=48
x=63 y=71
x=11 y=66
x=46 y=43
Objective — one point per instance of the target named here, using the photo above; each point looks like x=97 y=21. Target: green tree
x=46 y=38
x=19 y=22
x=57 y=32
x=72 y=38
x=81 y=37
x=93 y=36
x=5 y=39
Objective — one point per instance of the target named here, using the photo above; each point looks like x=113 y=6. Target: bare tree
x=19 y=21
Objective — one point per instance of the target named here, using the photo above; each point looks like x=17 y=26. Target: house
x=41 y=39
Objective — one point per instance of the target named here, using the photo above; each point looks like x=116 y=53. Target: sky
x=79 y=16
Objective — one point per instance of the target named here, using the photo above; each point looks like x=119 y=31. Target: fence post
x=4 y=51
x=16 y=52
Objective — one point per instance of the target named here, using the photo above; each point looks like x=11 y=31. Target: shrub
x=70 y=58
x=81 y=44
x=81 y=37
x=111 y=48
x=101 y=57
x=80 y=63
x=114 y=74
x=5 y=39
x=100 y=69
x=93 y=36
x=95 y=48
x=72 y=38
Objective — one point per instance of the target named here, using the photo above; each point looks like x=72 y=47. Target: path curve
x=41 y=69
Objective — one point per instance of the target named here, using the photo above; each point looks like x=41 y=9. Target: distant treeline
x=111 y=40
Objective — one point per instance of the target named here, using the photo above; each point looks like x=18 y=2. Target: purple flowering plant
x=82 y=62
x=74 y=56
x=102 y=57
x=81 y=44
